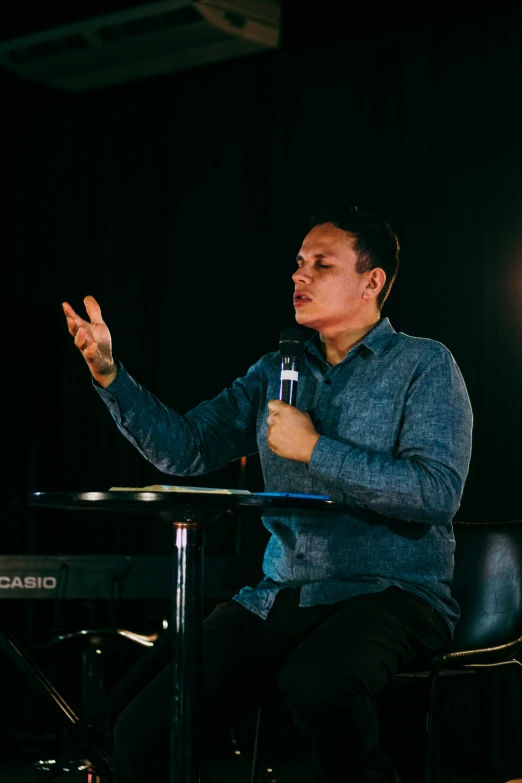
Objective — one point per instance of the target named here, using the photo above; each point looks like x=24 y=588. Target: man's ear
x=376 y=282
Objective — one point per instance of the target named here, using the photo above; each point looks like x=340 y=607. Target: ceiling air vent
x=148 y=40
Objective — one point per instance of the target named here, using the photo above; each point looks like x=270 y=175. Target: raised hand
x=93 y=339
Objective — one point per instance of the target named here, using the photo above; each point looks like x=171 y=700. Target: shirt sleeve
x=206 y=438
x=423 y=479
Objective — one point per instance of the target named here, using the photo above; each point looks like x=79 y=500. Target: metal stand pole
x=187 y=618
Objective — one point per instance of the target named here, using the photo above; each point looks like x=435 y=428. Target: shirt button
x=299 y=555
x=328 y=381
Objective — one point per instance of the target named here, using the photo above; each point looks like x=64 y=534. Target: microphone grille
x=291 y=342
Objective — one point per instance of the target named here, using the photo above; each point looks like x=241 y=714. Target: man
x=383 y=424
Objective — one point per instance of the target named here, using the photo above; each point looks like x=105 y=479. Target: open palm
x=92 y=338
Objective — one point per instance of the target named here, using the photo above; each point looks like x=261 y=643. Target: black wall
x=180 y=203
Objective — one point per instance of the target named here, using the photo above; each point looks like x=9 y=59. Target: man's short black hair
x=376 y=244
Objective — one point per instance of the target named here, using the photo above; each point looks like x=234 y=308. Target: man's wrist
x=313 y=442
x=106 y=378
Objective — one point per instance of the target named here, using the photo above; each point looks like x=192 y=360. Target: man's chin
x=302 y=319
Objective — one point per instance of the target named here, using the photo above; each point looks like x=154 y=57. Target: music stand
x=189 y=513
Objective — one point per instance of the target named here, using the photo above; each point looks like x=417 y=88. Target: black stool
x=488 y=587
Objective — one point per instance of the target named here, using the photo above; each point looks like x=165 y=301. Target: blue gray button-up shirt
x=395 y=424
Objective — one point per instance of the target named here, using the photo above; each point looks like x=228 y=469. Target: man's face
x=328 y=290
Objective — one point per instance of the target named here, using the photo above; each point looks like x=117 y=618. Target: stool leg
x=432 y=727
x=255 y=752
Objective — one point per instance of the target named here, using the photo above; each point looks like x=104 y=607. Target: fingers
x=80 y=338
x=90 y=351
x=73 y=320
x=274 y=406
x=69 y=312
x=85 y=343
x=93 y=310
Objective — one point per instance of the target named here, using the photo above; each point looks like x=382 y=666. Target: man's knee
x=305 y=687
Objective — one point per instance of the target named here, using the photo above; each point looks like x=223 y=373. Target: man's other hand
x=291 y=433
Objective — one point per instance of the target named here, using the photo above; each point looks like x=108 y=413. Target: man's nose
x=302 y=275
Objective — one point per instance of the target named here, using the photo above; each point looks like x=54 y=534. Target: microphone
x=291 y=348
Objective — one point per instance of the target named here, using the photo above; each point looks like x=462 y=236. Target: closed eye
x=300 y=264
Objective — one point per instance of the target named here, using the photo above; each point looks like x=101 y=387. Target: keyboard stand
x=79 y=730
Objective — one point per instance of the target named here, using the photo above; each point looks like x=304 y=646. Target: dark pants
x=328 y=661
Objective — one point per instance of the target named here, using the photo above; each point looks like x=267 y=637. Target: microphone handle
x=289 y=377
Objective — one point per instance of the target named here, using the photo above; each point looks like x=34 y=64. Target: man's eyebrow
x=299 y=257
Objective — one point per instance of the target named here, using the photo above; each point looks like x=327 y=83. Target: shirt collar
x=377 y=339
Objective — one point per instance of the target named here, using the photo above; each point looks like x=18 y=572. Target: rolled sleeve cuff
x=120 y=393
x=326 y=460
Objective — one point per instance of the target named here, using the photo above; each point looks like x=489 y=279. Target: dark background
x=180 y=203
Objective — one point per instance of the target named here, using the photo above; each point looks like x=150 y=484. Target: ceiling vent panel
x=148 y=40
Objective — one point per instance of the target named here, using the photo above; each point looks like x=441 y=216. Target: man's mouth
x=301 y=299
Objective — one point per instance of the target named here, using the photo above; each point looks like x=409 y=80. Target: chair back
x=487 y=584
